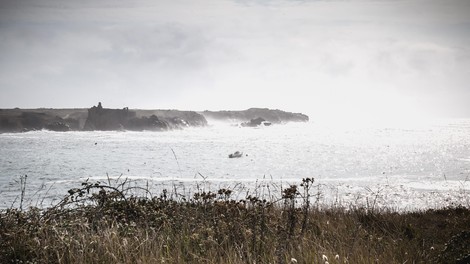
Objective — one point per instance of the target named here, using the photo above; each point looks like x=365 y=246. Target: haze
x=328 y=59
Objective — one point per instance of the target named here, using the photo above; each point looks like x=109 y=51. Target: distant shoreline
x=106 y=119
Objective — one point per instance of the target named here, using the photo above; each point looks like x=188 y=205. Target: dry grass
x=101 y=224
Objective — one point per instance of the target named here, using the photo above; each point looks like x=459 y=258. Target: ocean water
x=406 y=167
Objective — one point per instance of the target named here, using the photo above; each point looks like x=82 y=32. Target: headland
x=107 y=119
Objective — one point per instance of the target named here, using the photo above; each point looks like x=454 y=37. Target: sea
x=407 y=167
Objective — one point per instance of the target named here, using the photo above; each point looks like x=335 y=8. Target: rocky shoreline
x=269 y=115
x=107 y=119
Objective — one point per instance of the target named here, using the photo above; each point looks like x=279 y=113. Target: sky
x=329 y=59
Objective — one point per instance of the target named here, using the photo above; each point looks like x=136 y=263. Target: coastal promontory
x=105 y=119
x=100 y=118
x=97 y=118
x=252 y=115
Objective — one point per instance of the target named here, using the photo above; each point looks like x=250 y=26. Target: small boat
x=236 y=154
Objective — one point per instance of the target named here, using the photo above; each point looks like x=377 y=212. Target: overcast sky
x=324 y=58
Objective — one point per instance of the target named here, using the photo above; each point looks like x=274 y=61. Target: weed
x=101 y=223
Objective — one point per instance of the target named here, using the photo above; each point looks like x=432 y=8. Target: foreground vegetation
x=99 y=223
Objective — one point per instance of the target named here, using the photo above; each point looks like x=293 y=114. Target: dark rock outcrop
x=176 y=118
x=100 y=118
x=255 y=122
x=58 y=126
x=269 y=115
x=18 y=120
x=96 y=118
x=147 y=123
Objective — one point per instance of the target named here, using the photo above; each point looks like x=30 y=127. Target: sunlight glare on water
x=412 y=166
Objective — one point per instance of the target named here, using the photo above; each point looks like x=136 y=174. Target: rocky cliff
x=270 y=115
x=18 y=120
x=100 y=118
x=176 y=118
x=96 y=118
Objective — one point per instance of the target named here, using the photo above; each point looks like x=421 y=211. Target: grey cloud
x=98 y=60
x=149 y=52
x=280 y=2
x=168 y=45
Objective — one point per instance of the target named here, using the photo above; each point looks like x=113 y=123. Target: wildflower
x=293 y=260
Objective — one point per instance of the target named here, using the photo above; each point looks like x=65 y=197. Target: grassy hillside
x=100 y=223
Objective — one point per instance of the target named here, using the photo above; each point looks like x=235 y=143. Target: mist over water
x=406 y=167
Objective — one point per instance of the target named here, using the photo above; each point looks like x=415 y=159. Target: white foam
x=415 y=167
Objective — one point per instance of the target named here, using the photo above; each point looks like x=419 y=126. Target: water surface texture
x=407 y=167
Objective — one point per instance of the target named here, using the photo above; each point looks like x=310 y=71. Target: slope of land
x=100 y=118
x=99 y=223
x=270 y=115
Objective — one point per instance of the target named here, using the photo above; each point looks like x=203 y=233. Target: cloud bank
x=325 y=58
